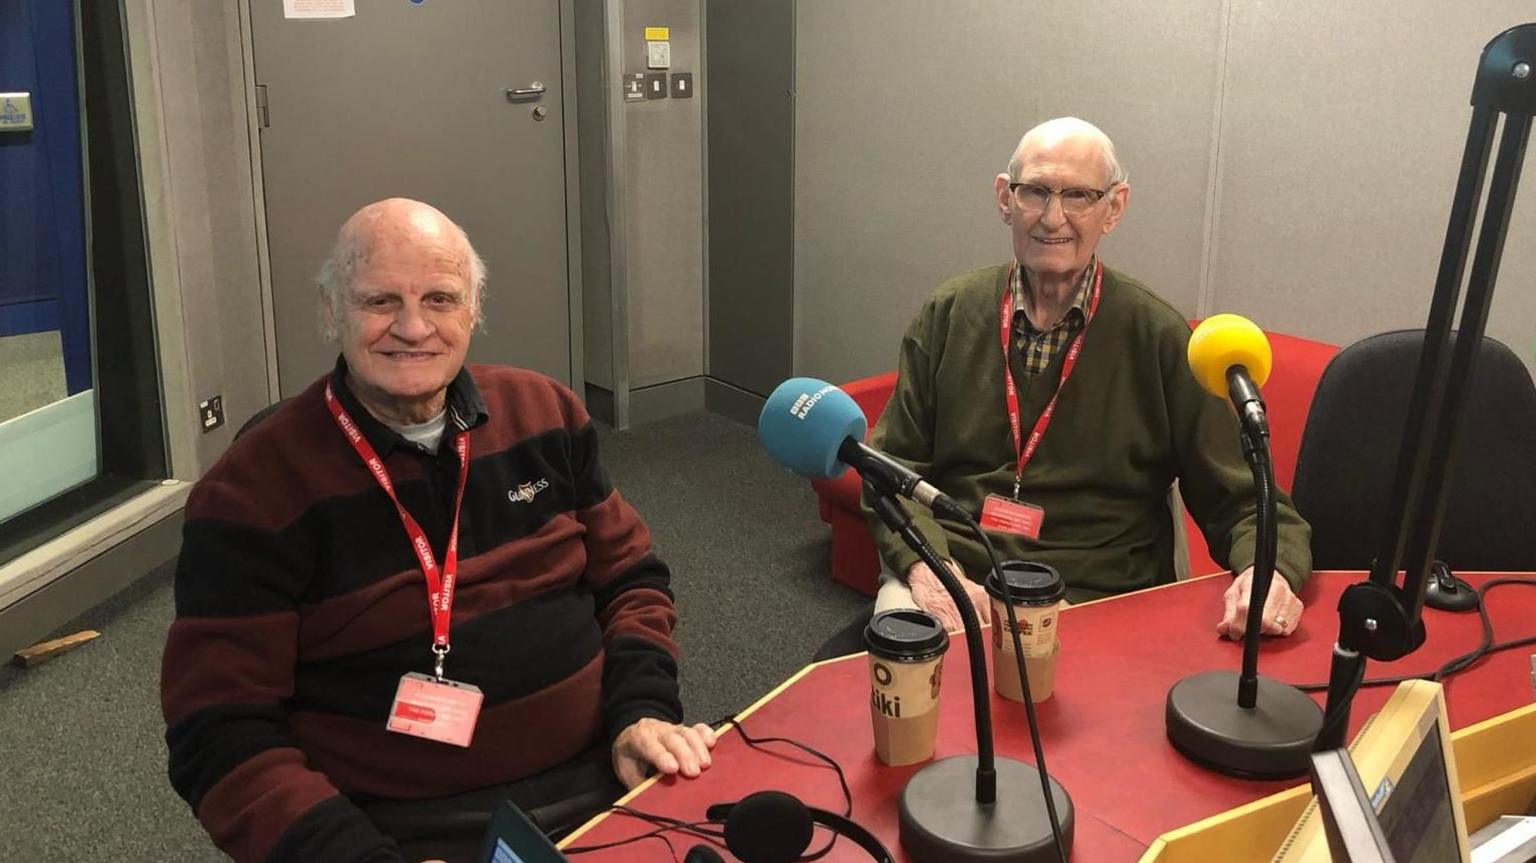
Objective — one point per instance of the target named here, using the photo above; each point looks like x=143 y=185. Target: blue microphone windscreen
x=805 y=421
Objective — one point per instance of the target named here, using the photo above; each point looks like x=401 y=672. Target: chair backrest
x=1288 y=393
x=260 y=415
x=1298 y=365
x=871 y=394
x=1349 y=455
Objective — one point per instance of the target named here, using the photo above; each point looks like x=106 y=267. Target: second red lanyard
x=1026 y=448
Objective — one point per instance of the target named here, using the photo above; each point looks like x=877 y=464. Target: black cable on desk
x=703 y=829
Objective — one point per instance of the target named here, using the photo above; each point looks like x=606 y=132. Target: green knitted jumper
x=1130 y=421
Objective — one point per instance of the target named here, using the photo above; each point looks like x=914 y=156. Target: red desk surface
x=1103 y=730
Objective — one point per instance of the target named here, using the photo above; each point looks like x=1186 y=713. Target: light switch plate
x=655 y=85
x=211 y=413
x=15 y=112
x=682 y=85
x=634 y=87
x=658 y=55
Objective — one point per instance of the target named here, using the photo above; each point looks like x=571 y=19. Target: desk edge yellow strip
x=644 y=786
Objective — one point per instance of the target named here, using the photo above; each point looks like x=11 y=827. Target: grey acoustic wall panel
x=751 y=186
x=664 y=204
x=1342 y=133
x=594 y=91
x=906 y=111
x=213 y=210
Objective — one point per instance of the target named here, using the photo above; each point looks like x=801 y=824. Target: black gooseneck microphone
x=1022 y=822
x=816 y=430
x=891 y=477
x=1267 y=730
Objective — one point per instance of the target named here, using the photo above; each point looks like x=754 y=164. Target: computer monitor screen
x=1418 y=814
x=512 y=838
x=1406 y=765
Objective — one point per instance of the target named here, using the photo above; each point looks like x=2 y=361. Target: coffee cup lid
x=1029 y=583
x=906 y=633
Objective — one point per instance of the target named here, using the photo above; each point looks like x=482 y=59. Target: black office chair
x=1349 y=453
x=260 y=415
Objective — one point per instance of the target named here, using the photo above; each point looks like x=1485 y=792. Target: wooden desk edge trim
x=1483 y=787
x=772 y=694
x=1114 y=597
x=643 y=786
x=1362 y=576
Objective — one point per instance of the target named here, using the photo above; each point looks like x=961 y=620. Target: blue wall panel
x=42 y=214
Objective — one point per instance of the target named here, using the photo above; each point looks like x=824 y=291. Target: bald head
x=397 y=223
x=398 y=218
x=1068 y=132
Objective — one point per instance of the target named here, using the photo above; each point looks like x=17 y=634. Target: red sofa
x=1287 y=394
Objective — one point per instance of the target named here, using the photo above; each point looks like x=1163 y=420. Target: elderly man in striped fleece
x=412 y=592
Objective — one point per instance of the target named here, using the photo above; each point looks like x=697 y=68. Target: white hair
x=350 y=252
x=1067 y=127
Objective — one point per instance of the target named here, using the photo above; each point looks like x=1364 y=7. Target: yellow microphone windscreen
x=1223 y=341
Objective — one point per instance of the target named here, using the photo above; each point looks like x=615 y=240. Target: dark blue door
x=42 y=216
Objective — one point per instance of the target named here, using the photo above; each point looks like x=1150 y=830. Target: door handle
x=532 y=92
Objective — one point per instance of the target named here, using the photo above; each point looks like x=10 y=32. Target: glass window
x=80 y=415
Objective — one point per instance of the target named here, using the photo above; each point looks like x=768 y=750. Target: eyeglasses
x=1034 y=198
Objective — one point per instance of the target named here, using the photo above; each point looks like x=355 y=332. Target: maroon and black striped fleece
x=299 y=605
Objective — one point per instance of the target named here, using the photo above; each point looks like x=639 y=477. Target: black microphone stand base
x=1271 y=740
x=941 y=822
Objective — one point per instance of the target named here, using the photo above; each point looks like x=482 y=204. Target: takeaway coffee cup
x=1036 y=591
x=906 y=664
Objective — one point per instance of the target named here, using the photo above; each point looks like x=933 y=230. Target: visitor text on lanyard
x=1026 y=449
x=440 y=581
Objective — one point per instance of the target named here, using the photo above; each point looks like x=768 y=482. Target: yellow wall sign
x=658 y=34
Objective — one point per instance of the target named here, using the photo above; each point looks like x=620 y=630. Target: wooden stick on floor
x=41 y=652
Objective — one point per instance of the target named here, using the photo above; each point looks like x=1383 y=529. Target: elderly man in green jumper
x=1083 y=486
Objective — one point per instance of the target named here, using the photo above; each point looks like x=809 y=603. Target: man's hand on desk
x=929 y=594
x=1282 y=610
x=668 y=748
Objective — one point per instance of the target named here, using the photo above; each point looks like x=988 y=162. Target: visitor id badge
x=441 y=710
x=1011 y=516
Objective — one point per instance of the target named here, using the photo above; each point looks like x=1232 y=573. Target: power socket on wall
x=211 y=412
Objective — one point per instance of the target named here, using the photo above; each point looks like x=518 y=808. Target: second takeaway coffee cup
x=1036 y=591
x=906 y=665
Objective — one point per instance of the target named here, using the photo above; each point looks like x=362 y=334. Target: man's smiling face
x=1052 y=242
x=405 y=320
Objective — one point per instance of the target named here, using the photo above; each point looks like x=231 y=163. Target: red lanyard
x=440 y=582
x=1026 y=451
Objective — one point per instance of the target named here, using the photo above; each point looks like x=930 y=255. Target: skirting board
x=732 y=402
x=649 y=404
x=32 y=617
x=652 y=403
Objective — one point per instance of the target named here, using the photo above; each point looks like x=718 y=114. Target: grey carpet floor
x=31 y=372
x=81 y=737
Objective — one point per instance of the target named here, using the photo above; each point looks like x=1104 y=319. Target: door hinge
x=263 y=116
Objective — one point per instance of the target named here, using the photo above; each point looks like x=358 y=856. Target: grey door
x=410 y=99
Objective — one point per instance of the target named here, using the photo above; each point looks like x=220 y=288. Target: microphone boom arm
x=1380 y=619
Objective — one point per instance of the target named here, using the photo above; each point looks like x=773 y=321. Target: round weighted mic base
x=1271 y=740
x=941 y=822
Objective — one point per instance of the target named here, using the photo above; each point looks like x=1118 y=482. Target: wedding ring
x=1280 y=621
